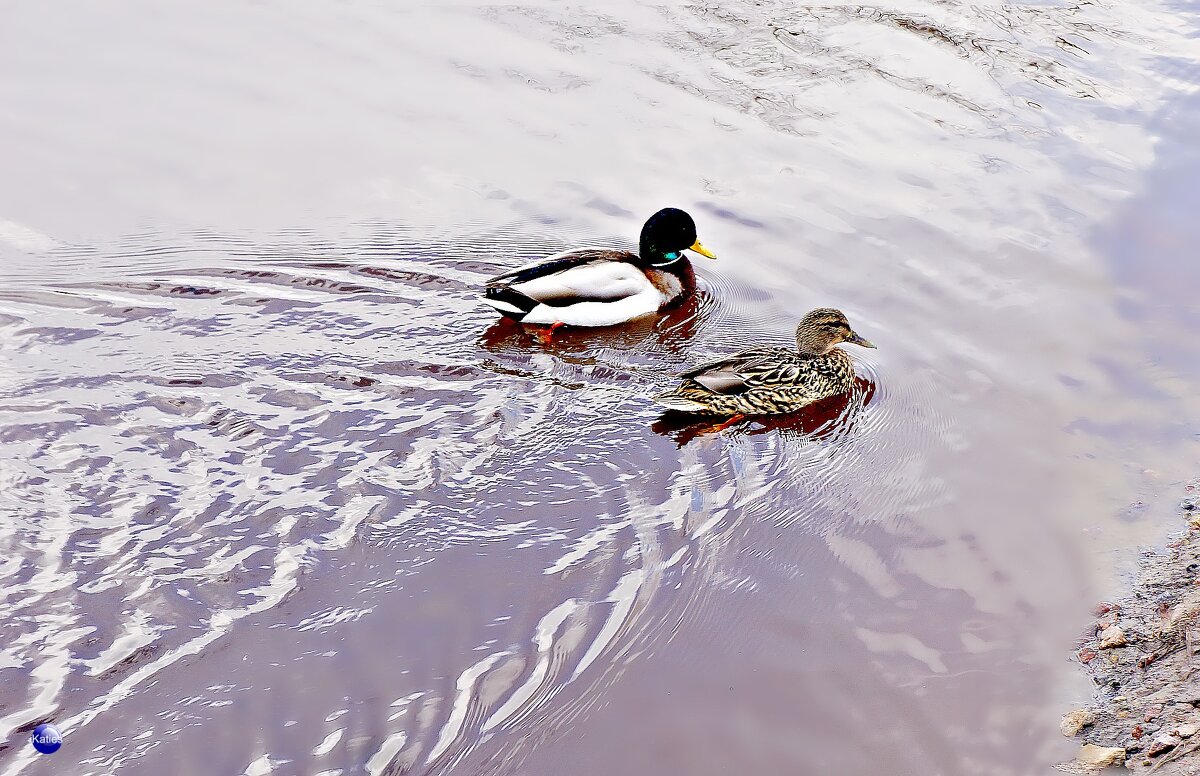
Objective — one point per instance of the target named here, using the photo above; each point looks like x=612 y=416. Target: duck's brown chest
x=672 y=282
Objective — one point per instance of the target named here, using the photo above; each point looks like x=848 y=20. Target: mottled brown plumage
x=770 y=381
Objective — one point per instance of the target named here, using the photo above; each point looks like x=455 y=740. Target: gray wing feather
x=747 y=370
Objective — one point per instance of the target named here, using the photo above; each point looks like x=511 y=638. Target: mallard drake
x=601 y=287
x=768 y=381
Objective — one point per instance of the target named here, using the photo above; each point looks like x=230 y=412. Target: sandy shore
x=1141 y=652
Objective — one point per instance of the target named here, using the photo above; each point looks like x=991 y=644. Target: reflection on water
x=281 y=496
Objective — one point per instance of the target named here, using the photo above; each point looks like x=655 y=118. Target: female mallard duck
x=768 y=381
x=600 y=287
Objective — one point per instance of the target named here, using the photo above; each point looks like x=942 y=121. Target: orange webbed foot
x=732 y=419
x=546 y=335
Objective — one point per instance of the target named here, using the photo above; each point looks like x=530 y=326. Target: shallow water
x=281 y=497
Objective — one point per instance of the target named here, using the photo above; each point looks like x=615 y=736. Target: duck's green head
x=666 y=235
x=824 y=329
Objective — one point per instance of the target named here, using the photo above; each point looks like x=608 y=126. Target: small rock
x=1112 y=637
x=1187 y=730
x=1074 y=721
x=1163 y=742
x=1194 y=522
x=1094 y=757
x=1087 y=655
x=1137 y=732
x=1104 y=607
x=1153 y=711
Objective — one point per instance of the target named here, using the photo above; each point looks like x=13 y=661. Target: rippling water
x=280 y=496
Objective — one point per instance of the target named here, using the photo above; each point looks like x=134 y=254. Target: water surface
x=280 y=496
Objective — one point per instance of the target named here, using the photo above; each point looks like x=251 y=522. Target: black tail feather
x=510 y=303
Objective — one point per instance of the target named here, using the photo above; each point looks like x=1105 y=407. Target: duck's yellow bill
x=698 y=248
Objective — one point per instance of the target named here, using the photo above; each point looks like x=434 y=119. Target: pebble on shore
x=1163 y=742
x=1111 y=637
x=1075 y=721
x=1095 y=758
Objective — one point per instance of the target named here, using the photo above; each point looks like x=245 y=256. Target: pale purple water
x=278 y=498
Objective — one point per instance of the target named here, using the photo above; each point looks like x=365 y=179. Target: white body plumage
x=608 y=292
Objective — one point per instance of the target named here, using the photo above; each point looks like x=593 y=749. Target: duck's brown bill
x=698 y=248
x=862 y=342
